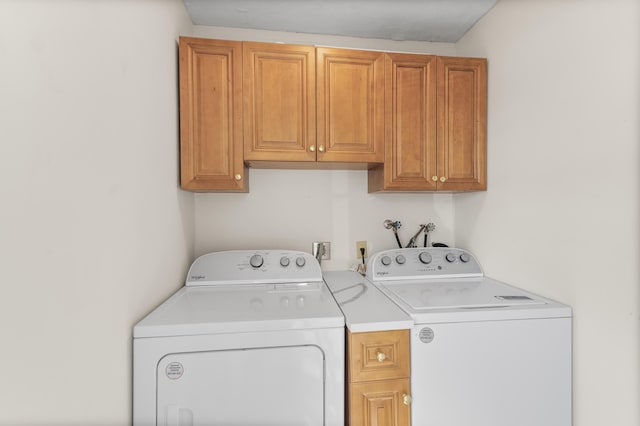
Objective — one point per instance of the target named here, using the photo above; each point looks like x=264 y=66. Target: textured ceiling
x=420 y=20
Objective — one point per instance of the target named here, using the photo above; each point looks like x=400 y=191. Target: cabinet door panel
x=280 y=103
x=462 y=109
x=210 y=115
x=350 y=105
x=379 y=403
x=410 y=124
x=378 y=355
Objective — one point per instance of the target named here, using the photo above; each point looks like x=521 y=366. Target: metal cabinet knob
x=434 y=178
x=406 y=399
x=321 y=148
x=312 y=148
x=381 y=357
x=442 y=179
x=238 y=176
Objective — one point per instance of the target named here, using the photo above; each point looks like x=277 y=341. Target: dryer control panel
x=254 y=267
x=423 y=263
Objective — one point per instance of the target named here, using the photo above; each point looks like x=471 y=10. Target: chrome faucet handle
x=429 y=228
x=389 y=224
x=412 y=241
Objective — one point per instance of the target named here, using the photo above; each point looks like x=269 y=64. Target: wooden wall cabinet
x=435 y=121
x=279 y=83
x=417 y=122
x=211 y=116
x=462 y=124
x=350 y=114
x=306 y=104
x=379 y=384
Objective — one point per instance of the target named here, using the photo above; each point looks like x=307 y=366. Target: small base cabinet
x=379 y=386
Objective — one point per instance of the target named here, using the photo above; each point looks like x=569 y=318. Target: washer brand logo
x=426 y=335
x=382 y=273
x=174 y=370
x=197 y=277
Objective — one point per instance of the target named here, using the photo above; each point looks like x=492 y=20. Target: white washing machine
x=253 y=338
x=483 y=353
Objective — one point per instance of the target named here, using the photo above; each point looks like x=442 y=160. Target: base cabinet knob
x=406 y=399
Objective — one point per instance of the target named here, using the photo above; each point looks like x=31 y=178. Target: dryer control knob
x=425 y=257
x=400 y=259
x=284 y=261
x=386 y=260
x=256 y=261
x=465 y=257
x=450 y=257
x=300 y=261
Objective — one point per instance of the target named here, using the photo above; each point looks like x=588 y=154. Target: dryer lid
x=246 y=308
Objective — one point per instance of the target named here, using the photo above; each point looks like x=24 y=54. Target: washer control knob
x=284 y=261
x=464 y=257
x=450 y=257
x=256 y=261
x=400 y=259
x=300 y=261
x=386 y=260
x=425 y=257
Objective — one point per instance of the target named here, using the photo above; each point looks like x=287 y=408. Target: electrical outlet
x=361 y=245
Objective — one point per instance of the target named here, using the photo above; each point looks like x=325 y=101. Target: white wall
x=293 y=208
x=560 y=216
x=93 y=229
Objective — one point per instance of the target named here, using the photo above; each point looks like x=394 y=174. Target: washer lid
x=244 y=308
x=462 y=293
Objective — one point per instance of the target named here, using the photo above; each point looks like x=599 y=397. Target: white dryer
x=253 y=338
x=483 y=353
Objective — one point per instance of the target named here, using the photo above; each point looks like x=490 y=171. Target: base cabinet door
x=381 y=403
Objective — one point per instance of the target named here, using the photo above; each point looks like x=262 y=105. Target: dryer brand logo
x=174 y=370
x=198 y=277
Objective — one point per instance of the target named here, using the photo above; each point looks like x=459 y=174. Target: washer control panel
x=427 y=262
x=254 y=267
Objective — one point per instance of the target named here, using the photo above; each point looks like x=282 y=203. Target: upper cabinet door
x=350 y=114
x=211 y=115
x=462 y=118
x=410 y=125
x=279 y=102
